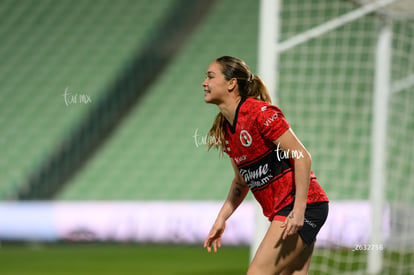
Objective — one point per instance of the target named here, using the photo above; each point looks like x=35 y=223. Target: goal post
x=267 y=69
x=333 y=62
x=382 y=87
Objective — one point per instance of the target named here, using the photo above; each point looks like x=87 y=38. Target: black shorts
x=315 y=217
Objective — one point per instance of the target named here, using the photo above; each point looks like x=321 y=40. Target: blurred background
x=103 y=127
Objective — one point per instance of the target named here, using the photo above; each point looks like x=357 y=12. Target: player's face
x=215 y=85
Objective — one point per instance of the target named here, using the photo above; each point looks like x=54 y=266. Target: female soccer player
x=268 y=159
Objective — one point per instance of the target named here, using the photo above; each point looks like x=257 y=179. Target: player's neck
x=228 y=109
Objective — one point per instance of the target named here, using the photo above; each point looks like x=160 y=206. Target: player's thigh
x=300 y=265
x=274 y=253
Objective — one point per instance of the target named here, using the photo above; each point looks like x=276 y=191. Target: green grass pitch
x=130 y=258
x=122 y=259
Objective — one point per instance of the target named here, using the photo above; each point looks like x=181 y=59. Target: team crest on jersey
x=245 y=138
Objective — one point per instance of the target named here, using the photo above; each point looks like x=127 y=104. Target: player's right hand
x=214 y=237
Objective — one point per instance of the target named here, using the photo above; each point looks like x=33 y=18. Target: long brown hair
x=249 y=86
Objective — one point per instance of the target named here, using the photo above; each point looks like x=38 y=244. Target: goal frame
x=269 y=49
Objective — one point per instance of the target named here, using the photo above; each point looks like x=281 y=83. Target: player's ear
x=232 y=84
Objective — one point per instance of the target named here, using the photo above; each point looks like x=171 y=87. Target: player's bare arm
x=302 y=165
x=237 y=193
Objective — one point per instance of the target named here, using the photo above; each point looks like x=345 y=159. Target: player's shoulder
x=259 y=106
x=265 y=114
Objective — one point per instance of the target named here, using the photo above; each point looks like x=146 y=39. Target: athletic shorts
x=315 y=216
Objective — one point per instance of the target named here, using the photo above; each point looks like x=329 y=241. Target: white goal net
x=344 y=77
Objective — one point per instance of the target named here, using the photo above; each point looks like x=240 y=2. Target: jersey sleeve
x=271 y=122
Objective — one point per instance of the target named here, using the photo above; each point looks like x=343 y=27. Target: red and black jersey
x=266 y=168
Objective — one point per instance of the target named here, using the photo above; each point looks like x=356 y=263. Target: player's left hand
x=292 y=224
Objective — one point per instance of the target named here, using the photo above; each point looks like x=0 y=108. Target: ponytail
x=216 y=136
x=257 y=89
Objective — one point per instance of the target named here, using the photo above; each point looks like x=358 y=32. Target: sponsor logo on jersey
x=245 y=138
x=261 y=173
x=265 y=169
x=257 y=178
x=270 y=119
x=240 y=159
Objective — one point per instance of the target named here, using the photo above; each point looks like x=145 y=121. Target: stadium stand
x=52 y=48
x=158 y=151
x=73 y=49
